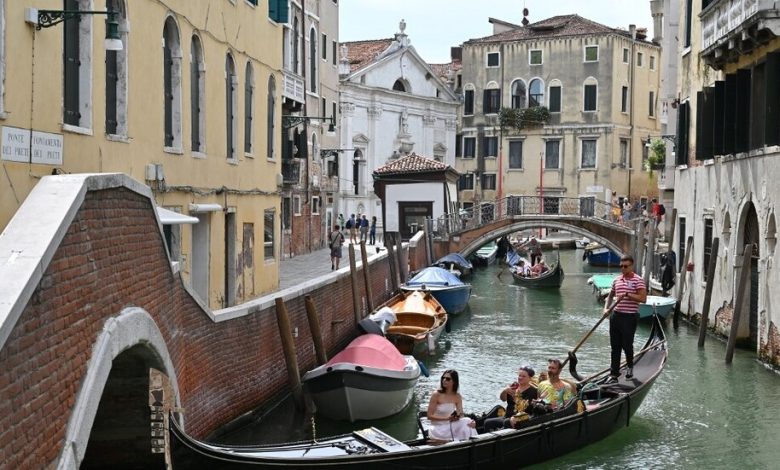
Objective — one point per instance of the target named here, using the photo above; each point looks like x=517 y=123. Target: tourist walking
x=372 y=232
x=363 y=229
x=629 y=291
x=352 y=227
x=336 y=239
x=341 y=221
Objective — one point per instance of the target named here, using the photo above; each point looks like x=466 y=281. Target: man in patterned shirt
x=630 y=291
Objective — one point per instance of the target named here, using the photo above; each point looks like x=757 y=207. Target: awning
x=205 y=208
x=169 y=217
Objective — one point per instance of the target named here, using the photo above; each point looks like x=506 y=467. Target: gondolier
x=629 y=291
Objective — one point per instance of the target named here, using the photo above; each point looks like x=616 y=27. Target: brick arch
x=132 y=328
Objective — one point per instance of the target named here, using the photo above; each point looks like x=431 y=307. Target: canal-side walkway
x=302 y=268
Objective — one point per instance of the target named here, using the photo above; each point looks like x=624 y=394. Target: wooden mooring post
x=288 y=348
x=650 y=253
x=742 y=289
x=399 y=253
x=389 y=244
x=705 y=311
x=683 y=276
x=355 y=284
x=316 y=330
x=366 y=277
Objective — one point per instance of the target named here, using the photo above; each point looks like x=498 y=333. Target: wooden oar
x=587 y=335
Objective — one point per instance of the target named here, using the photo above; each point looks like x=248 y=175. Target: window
x=279 y=11
x=651 y=104
x=491 y=102
x=588 y=157
x=624 y=99
x=249 y=107
x=652 y=62
x=536 y=93
x=490 y=147
x=682 y=242
x=116 y=77
x=333 y=111
x=77 y=66
x=466 y=182
x=639 y=59
x=231 y=81
x=707 y=247
x=552 y=159
x=493 y=59
x=356 y=161
x=590 y=94
x=324 y=47
x=296 y=205
x=399 y=85
x=688 y=18
x=489 y=181
x=315 y=205
x=172 y=84
x=555 y=99
x=458 y=145
x=334 y=52
x=271 y=117
x=296 y=46
x=535 y=57
x=516 y=154
x=591 y=53
x=268 y=235
x=626 y=55
x=286 y=213
x=468 y=102
x=623 y=153
x=645 y=152
x=469 y=147
x=313 y=84
x=197 y=96
x=518 y=94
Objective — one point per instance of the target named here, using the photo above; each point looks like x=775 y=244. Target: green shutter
x=279 y=10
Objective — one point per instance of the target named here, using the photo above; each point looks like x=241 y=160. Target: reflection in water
x=700 y=412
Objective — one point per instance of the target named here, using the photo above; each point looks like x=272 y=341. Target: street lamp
x=291 y=120
x=48 y=18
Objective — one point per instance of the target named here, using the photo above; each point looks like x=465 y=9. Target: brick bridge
x=587 y=217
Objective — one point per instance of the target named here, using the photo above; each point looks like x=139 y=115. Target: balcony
x=293 y=87
x=730 y=28
x=666 y=178
x=291 y=171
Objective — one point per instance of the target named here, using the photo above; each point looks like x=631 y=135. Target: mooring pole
x=744 y=278
x=316 y=330
x=389 y=244
x=650 y=253
x=288 y=348
x=355 y=287
x=367 y=277
x=683 y=276
x=705 y=311
x=399 y=253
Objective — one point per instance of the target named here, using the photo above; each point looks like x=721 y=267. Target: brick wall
x=113 y=257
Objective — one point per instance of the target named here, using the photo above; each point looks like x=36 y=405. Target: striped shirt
x=631 y=285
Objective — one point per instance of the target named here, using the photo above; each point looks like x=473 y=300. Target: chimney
x=456 y=53
x=632 y=30
x=344 y=68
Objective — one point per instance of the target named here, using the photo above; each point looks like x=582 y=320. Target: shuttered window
x=71 y=65
x=516 y=154
x=271 y=117
x=468 y=102
x=590 y=94
x=492 y=101
x=555 y=99
x=168 y=86
x=196 y=75
x=249 y=109
x=683 y=124
x=230 y=135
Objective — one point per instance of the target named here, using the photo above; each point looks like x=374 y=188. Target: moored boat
x=602 y=284
x=370 y=370
x=486 y=255
x=600 y=409
x=420 y=318
x=656 y=305
x=597 y=254
x=455 y=262
x=552 y=278
x=452 y=293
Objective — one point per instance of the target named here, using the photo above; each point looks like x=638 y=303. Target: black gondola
x=551 y=279
x=600 y=409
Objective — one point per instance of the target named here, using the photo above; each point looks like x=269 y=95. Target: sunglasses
x=625 y=265
x=446 y=378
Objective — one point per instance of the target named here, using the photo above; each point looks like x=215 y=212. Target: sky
x=433 y=26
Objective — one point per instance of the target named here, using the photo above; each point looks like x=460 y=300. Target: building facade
x=393 y=104
x=309 y=115
x=728 y=143
x=186 y=106
x=600 y=86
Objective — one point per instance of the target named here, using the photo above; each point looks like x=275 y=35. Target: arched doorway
x=748 y=328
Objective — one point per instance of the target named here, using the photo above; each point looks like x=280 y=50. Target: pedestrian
x=363 y=229
x=352 y=227
x=341 y=221
x=615 y=207
x=372 y=231
x=626 y=210
x=336 y=239
x=629 y=291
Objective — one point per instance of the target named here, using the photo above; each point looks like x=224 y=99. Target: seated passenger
x=521 y=268
x=555 y=391
x=539 y=268
x=445 y=411
x=517 y=397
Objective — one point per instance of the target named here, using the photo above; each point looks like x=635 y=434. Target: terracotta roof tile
x=556 y=26
x=441 y=69
x=412 y=163
x=362 y=53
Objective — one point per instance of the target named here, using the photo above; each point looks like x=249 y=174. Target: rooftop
x=411 y=163
x=362 y=53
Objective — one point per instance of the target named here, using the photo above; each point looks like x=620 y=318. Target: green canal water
x=700 y=413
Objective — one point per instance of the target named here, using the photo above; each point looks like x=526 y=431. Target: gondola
x=553 y=278
x=600 y=409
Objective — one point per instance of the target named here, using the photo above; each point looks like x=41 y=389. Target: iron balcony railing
x=291 y=171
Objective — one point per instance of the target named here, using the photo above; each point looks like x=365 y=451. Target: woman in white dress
x=445 y=411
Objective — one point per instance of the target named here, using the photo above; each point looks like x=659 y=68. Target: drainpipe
x=632 y=30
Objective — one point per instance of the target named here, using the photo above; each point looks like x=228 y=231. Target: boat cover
x=603 y=281
x=371 y=351
x=455 y=258
x=434 y=276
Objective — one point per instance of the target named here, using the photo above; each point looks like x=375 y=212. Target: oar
x=587 y=335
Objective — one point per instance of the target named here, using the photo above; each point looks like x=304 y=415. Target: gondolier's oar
x=587 y=335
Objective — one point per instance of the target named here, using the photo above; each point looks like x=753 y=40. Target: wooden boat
x=420 y=318
x=455 y=262
x=600 y=409
x=597 y=254
x=553 y=278
x=368 y=371
x=452 y=293
x=655 y=305
x=486 y=255
x=602 y=284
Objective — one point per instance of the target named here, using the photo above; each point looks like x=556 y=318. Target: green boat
x=602 y=283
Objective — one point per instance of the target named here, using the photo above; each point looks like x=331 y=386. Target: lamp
x=49 y=18
x=291 y=120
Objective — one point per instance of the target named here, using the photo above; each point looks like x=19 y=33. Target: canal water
x=700 y=413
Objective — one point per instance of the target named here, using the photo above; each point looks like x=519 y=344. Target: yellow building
x=190 y=105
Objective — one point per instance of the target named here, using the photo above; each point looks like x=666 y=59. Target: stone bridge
x=587 y=217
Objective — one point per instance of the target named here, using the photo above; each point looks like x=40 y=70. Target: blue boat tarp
x=455 y=258
x=434 y=276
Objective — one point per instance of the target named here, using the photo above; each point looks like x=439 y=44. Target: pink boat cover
x=371 y=351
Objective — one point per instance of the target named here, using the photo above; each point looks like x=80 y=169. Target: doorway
x=748 y=327
x=230 y=259
x=411 y=217
x=199 y=276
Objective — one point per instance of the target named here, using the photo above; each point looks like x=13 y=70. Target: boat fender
x=423 y=369
x=431 y=343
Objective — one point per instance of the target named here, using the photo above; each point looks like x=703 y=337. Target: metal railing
x=291 y=171
x=510 y=206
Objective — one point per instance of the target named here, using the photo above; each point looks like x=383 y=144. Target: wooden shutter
x=719 y=112
x=168 y=92
x=758 y=106
x=742 y=112
x=485 y=102
x=71 y=66
x=248 y=116
x=682 y=134
x=772 y=109
x=112 y=77
x=704 y=123
x=195 y=100
x=729 y=119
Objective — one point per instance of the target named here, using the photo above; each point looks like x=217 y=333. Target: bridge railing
x=491 y=211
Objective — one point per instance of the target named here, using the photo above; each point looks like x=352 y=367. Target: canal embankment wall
x=88 y=281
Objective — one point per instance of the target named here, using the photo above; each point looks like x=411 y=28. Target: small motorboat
x=452 y=293
x=656 y=305
x=486 y=255
x=552 y=278
x=455 y=262
x=581 y=243
x=597 y=254
x=602 y=284
x=420 y=319
x=369 y=379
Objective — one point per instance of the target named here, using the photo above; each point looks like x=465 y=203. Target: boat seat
x=407 y=329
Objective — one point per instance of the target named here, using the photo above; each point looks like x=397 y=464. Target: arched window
x=313 y=60
x=249 y=107
x=271 y=117
x=356 y=161
x=296 y=41
x=77 y=66
x=519 y=94
x=399 y=85
x=536 y=93
x=172 y=84
x=197 y=96
x=116 y=76
x=231 y=81
x=491 y=98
